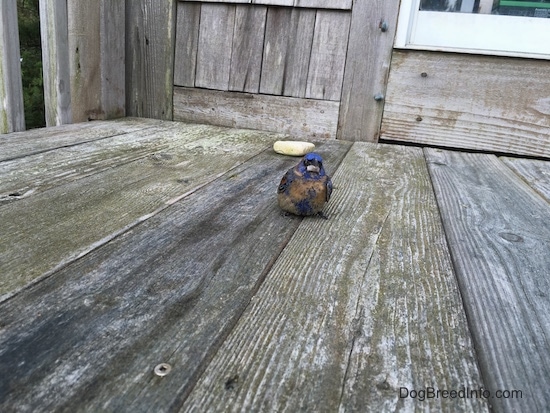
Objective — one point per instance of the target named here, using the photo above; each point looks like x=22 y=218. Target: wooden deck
x=126 y=244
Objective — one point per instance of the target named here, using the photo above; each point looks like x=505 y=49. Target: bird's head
x=313 y=163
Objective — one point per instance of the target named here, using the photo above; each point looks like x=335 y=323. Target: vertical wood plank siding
x=246 y=56
x=187 y=32
x=287 y=48
x=257 y=48
x=279 y=51
x=328 y=55
x=215 y=43
x=150 y=34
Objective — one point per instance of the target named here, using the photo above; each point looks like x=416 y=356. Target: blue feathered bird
x=306 y=188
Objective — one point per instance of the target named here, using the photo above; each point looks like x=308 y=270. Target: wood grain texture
x=498 y=230
x=297 y=117
x=113 y=59
x=366 y=70
x=535 y=172
x=12 y=113
x=356 y=307
x=55 y=62
x=130 y=181
x=248 y=42
x=217 y=23
x=85 y=58
x=187 y=40
x=96 y=55
x=19 y=144
x=287 y=51
x=474 y=102
x=328 y=55
x=168 y=290
x=32 y=174
x=150 y=44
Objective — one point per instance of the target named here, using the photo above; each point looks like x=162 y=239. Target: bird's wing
x=286 y=181
x=329 y=188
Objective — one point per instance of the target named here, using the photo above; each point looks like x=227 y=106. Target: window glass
x=527 y=8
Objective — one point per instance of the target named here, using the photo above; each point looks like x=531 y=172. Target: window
x=499 y=27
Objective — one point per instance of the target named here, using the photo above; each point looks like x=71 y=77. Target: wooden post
x=372 y=31
x=12 y=115
x=96 y=50
x=150 y=42
x=55 y=60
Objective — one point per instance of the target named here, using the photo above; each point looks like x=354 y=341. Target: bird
x=306 y=188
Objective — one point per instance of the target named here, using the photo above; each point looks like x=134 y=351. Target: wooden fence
x=267 y=64
x=83 y=48
x=11 y=89
x=311 y=68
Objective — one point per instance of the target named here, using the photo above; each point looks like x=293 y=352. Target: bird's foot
x=321 y=215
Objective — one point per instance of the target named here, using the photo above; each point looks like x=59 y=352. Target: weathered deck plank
x=176 y=229
x=80 y=212
x=168 y=290
x=498 y=230
x=30 y=175
x=19 y=144
x=535 y=172
x=355 y=307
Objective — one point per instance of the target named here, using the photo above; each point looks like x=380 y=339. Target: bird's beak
x=313 y=168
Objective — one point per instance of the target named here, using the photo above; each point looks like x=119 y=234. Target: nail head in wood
x=162 y=369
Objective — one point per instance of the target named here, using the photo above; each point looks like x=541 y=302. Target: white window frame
x=486 y=34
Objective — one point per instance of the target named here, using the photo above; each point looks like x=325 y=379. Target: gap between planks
x=164 y=291
x=101 y=206
x=313 y=337
x=496 y=222
x=20 y=144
